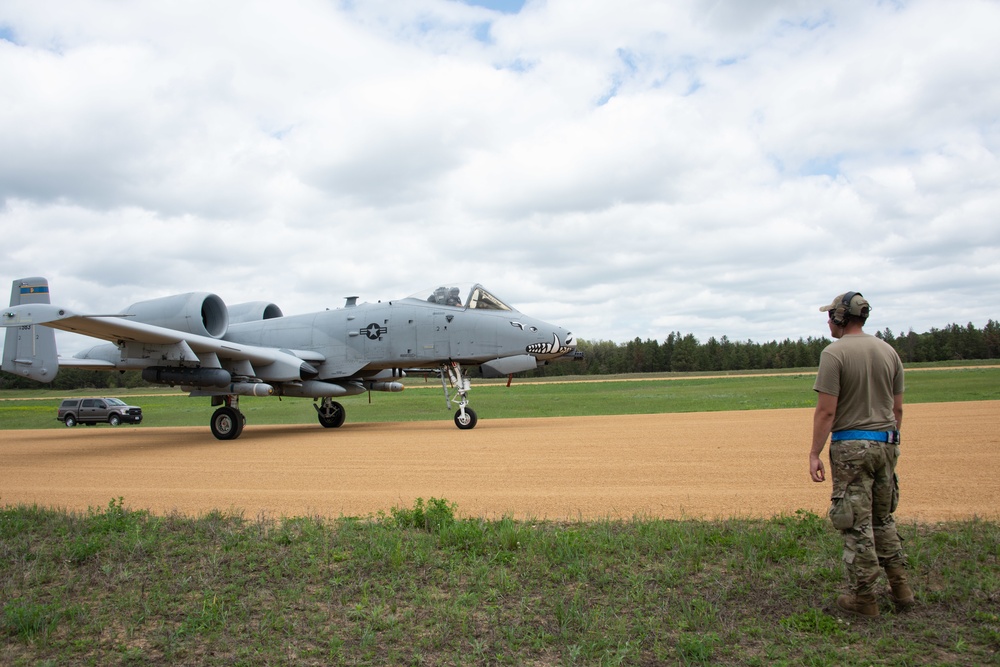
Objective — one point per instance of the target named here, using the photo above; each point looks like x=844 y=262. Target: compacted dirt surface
x=695 y=465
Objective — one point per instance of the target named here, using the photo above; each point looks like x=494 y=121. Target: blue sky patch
x=827 y=165
x=503 y=6
x=482 y=33
x=517 y=65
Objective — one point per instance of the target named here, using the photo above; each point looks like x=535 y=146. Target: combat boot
x=862 y=605
x=901 y=593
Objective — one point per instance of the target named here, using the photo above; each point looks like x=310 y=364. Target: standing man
x=860 y=406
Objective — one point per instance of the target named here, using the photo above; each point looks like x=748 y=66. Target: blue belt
x=891 y=437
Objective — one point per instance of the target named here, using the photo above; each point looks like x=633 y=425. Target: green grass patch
x=424 y=586
x=424 y=400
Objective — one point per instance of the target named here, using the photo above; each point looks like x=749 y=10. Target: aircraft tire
x=336 y=417
x=470 y=420
x=227 y=423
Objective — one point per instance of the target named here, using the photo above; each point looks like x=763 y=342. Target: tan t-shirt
x=865 y=374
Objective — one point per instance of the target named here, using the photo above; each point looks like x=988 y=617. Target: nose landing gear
x=451 y=374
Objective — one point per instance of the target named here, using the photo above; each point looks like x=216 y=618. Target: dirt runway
x=694 y=465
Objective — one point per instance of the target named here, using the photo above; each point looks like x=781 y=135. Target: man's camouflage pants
x=865 y=494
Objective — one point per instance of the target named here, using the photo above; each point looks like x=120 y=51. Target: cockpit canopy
x=477 y=297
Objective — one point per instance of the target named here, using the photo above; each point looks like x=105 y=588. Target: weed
x=814 y=621
x=26 y=619
x=432 y=517
x=697 y=648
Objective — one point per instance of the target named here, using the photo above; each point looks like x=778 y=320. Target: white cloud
x=625 y=169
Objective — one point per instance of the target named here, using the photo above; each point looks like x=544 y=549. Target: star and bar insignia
x=374 y=331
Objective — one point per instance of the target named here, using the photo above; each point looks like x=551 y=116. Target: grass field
x=424 y=400
x=418 y=586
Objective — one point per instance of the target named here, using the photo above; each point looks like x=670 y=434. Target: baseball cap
x=857 y=307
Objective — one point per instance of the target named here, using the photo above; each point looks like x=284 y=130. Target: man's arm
x=826 y=409
x=897 y=410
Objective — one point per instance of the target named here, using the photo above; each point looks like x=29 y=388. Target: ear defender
x=840 y=314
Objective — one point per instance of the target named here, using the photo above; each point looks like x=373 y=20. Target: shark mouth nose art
x=551 y=348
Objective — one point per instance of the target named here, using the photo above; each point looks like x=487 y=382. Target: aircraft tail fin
x=30 y=350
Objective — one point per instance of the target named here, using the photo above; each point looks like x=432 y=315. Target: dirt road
x=695 y=465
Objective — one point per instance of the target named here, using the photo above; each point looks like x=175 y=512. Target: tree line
x=685 y=353
x=678 y=353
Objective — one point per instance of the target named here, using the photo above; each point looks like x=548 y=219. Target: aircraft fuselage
x=403 y=334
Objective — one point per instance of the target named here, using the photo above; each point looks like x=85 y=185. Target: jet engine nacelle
x=253 y=311
x=284 y=367
x=198 y=313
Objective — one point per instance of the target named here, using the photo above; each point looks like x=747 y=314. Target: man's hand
x=816 y=469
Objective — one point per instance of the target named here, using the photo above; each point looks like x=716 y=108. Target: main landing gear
x=228 y=422
x=331 y=413
x=451 y=374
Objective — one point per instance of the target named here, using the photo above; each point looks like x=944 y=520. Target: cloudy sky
x=624 y=169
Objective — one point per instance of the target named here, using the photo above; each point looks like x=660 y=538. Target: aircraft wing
x=179 y=345
x=106 y=327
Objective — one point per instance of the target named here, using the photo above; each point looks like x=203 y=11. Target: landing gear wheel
x=331 y=414
x=466 y=421
x=227 y=423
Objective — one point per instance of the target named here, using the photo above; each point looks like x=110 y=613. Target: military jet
x=197 y=342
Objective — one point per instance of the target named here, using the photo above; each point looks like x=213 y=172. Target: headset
x=839 y=316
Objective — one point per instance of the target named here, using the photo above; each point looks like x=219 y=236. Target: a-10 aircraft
x=197 y=342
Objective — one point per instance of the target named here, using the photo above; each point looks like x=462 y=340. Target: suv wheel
x=114 y=420
x=70 y=421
